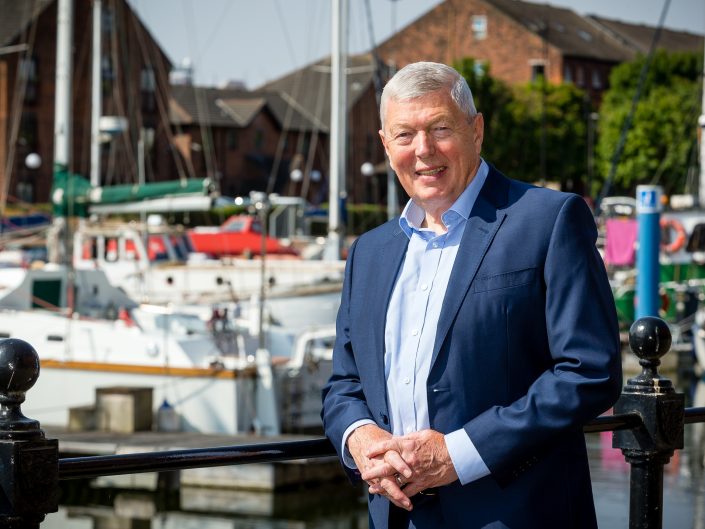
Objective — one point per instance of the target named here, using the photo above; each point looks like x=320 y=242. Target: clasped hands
x=399 y=467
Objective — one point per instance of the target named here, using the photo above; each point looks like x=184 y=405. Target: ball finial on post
x=30 y=463
x=19 y=370
x=649 y=339
x=653 y=400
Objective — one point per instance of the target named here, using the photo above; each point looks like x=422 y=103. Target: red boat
x=239 y=235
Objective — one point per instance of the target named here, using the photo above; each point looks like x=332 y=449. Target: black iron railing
x=648 y=427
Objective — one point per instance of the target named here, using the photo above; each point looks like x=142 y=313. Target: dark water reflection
x=340 y=506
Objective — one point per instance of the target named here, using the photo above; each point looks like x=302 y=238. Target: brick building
x=249 y=140
x=134 y=85
x=521 y=40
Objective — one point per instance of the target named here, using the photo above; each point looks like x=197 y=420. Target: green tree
x=564 y=126
x=514 y=124
x=663 y=131
x=494 y=99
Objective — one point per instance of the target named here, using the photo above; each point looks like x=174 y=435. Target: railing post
x=649 y=447
x=29 y=463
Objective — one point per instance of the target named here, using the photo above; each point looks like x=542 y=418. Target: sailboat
x=90 y=335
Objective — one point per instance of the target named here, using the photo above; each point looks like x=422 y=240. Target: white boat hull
x=204 y=404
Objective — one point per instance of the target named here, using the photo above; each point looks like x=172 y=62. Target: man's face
x=432 y=147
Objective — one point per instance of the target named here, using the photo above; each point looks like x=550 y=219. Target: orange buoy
x=678 y=241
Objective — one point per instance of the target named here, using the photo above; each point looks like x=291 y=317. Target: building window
x=106 y=68
x=479 y=27
x=580 y=76
x=28 y=74
x=108 y=19
x=27 y=136
x=231 y=139
x=596 y=79
x=538 y=71
x=567 y=74
x=306 y=143
x=584 y=35
x=370 y=144
x=148 y=88
x=479 y=68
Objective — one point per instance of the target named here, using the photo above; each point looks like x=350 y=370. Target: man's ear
x=479 y=129
x=384 y=143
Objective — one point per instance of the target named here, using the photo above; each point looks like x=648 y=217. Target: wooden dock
x=252 y=477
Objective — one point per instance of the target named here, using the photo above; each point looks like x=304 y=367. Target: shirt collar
x=413 y=214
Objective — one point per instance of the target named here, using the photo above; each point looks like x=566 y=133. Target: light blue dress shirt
x=412 y=321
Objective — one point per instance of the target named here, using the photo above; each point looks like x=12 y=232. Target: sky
x=255 y=41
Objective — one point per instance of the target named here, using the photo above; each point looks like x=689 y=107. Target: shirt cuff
x=347 y=457
x=466 y=459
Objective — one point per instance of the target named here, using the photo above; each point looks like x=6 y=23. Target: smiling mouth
x=431 y=172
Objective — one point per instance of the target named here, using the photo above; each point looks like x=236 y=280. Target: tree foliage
x=515 y=122
x=557 y=113
x=662 y=135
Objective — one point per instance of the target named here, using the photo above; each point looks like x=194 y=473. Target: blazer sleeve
x=343 y=397
x=585 y=377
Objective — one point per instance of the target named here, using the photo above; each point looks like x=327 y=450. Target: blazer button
x=385 y=419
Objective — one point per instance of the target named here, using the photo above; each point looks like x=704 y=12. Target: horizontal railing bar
x=113 y=465
x=694 y=415
x=607 y=423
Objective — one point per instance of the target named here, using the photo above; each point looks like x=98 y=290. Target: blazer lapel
x=481 y=228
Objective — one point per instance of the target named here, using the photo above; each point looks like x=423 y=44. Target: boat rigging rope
x=201 y=97
x=162 y=104
x=271 y=181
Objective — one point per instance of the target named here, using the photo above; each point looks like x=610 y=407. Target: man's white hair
x=420 y=78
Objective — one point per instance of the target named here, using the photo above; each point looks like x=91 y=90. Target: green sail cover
x=72 y=194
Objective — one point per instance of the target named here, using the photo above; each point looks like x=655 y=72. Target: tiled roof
x=566 y=30
x=197 y=104
x=235 y=107
x=639 y=37
x=310 y=87
x=15 y=16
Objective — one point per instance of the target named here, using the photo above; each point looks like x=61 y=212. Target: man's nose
x=424 y=144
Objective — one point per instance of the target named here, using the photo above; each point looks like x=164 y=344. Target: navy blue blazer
x=527 y=350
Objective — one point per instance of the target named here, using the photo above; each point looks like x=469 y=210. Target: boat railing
x=647 y=425
x=314 y=344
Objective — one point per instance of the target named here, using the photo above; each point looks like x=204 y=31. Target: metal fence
x=648 y=425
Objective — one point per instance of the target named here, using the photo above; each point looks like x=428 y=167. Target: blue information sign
x=648 y=199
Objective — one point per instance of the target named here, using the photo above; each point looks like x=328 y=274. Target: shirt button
x=406 y=380
x=407 y=430
x=414 y=332
x=424 y=286
x=435 y=245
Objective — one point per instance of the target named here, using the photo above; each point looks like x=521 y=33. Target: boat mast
x=701 y=123
x=96 y=95
x=56 y=246
x=338 y=126
x=62 y=104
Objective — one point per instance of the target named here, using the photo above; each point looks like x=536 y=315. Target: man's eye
x=404 y=137
x=441 y=131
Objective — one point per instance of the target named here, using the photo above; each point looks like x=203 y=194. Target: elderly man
x=476 y=334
